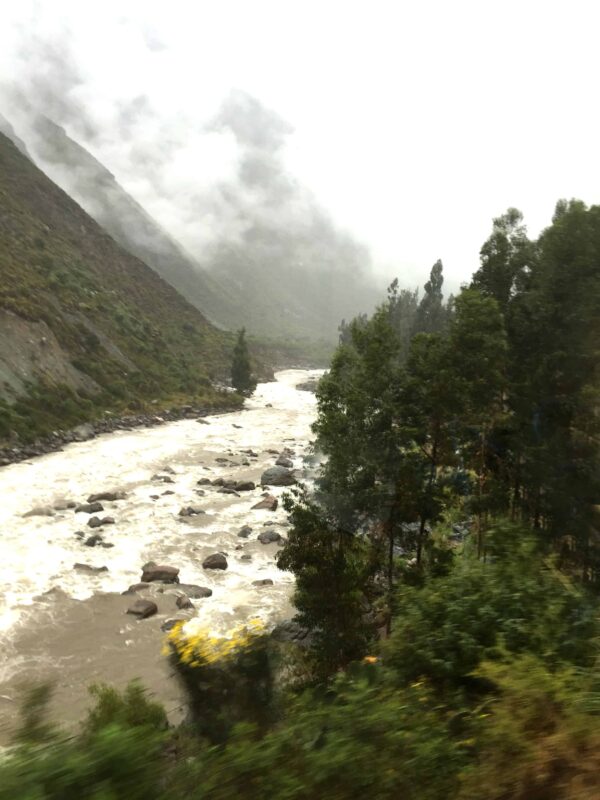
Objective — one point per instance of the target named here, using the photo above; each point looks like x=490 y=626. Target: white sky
x=414 y=123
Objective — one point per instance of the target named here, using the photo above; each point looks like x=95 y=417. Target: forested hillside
x=86 y=327
x=447 y=571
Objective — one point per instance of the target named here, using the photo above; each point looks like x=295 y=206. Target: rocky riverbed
x=184 y=518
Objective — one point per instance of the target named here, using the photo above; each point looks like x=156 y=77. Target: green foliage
x=506 y=258
x=129 y=709
x=227 y=680
x=361 y=740
x=513 y=602
x=431 y=316
x=241 y=370
x=333 y=580
x=534 y=738
x=118 y=757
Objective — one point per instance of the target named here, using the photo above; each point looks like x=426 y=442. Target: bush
x=227 y=679
x=515 y=602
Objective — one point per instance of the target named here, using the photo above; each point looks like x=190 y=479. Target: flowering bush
x=228 y=679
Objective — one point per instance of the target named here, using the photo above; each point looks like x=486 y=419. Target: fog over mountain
x=259 y=249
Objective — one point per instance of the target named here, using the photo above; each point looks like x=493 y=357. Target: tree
x=431 y=314
x=333 y=582
x=241 y=371
x=506 y=258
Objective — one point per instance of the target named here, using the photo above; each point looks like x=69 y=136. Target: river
x=69 y=626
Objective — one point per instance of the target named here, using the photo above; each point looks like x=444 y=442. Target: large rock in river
x=269 y=537
x=269 y=503
x=143 y=608
x=278 y=476
x=159 y=572
x=109 y=496
x=216 y=561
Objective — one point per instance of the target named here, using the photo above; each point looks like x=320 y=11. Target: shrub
x=228 y=679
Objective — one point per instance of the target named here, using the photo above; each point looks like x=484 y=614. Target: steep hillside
x=95 y=188
x=84 y=325
x=288 y=284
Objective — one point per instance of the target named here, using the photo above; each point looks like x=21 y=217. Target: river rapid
x=69 y=626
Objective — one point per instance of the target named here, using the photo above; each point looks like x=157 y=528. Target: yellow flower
x=370 y=659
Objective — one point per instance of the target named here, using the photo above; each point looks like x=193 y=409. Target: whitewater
x=69 y=625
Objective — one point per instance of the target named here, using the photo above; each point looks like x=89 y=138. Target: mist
x=219 y=190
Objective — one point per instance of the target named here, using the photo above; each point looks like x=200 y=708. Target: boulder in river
x=96 y=522
x=93 y=540
x=245 y=486
x=183 y=601
x=89 y=568
x=269 y=503
x=193 y=591
x=136 y=587
x=215 y=561
x=245 y=532
x=63 y=505
x=40 y=511
x=269 y=537
x=263 y=582
x=162 y=478
x=283 y=461
x=277 y=476
x=227 y=490
x=191 y=511
x=159 y=572
x=108 y=496
x=203 y=482
x=143 y=608
x=89 y=508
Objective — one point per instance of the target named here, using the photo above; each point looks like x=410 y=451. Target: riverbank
x=12 y=454
x=69 y=625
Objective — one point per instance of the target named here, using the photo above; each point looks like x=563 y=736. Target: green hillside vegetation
x=118 y=334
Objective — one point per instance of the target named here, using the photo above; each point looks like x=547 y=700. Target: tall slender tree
x=241 y=369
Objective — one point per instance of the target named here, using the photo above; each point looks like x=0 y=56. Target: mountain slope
x=95 y=188
x=84 y=325
x=280 y=280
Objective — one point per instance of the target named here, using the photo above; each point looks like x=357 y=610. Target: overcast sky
x=413 y=123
